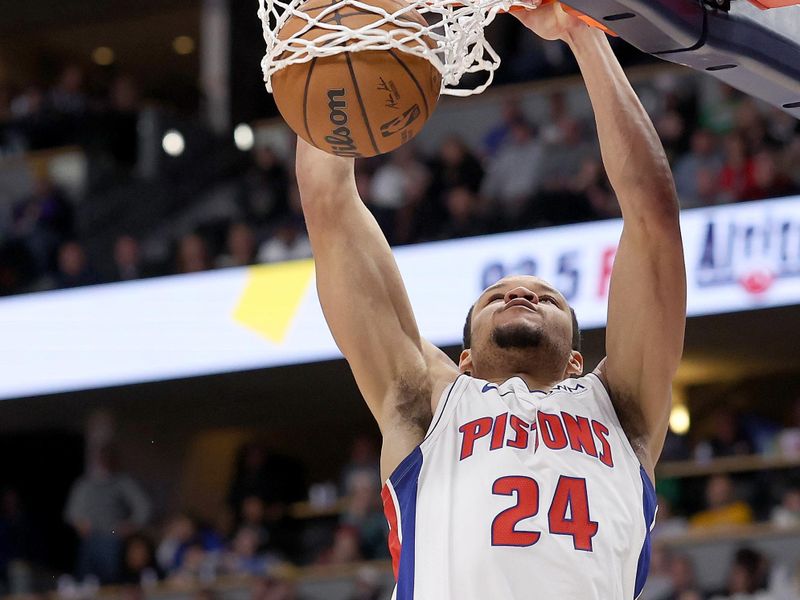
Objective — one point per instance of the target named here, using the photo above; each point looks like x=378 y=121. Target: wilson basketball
x=356 y=103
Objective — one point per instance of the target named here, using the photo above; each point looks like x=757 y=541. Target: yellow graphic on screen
x=271 y=297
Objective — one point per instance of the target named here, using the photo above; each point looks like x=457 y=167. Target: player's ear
x=465 y=362
x=574 y=364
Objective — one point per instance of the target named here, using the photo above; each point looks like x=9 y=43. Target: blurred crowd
x=265 y=530
x=100 y=115
x=258 y=531
x=721 y=502
x=527 y=171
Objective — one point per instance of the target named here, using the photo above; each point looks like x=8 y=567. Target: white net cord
x=453 y=39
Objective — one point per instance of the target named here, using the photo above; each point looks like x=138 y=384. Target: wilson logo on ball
x=341 y=140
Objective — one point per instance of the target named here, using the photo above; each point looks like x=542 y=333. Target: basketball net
x=454 y=30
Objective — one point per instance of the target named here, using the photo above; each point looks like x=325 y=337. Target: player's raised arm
x=366 y=305
x=647 y=301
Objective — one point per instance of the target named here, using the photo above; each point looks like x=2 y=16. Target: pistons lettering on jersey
x=557 y=431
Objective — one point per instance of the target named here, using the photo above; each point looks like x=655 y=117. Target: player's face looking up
x=521 y=322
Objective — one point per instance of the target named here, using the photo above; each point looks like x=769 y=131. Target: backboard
x=741 y=42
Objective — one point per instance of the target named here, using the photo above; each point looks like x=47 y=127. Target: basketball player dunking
x=512 y=475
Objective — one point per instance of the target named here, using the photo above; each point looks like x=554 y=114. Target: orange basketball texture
x=356 y=103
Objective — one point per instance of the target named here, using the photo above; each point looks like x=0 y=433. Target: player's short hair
x=467 y=338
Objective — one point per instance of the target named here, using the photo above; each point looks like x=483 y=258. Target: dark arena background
x=166 y=374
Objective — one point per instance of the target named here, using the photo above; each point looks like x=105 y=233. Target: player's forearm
x=632 y=152
x=358 y=281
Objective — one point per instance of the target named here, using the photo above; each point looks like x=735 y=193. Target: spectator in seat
x=244 y=556
x=704 y=157
x=73 y=267
x=747 y=579
x=263 y=196
x=417 y=180
x=659 y=583
x=768 y=180
x=68 y=96
x=718 y=113
x=463 y=219
x=122 y=119
x=396 y=184
x=193 y=255
x=454 y=166
x=457 y=166
x=514 y=174
x=737 y=177
x=29 y=103
x=787 y=514
x=563 y=158
x=254 y=516
x=32 y=126
x=250 y=477
x=722 y=507
x=345 y=548
x=288 y=242
x=104 y=507
x=498 y=135
x=240 y=250
x=750 y=124
x=728 y=437
x=673 y=131
x=276 y=481
x=363 y=512
x=551 y=130
x=368 y=585
x=682 y=577
x=128 y=263
x=707 y=188
x=139 y=562
x=181 y=534
x=43 y=221
x=199 y=566
x=364 y=459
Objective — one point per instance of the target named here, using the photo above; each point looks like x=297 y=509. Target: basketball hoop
x=453 y=39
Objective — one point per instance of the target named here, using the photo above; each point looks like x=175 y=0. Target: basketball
x=356 y=104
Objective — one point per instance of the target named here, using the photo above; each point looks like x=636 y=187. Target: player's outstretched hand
x=319 y=172
x=549 y=20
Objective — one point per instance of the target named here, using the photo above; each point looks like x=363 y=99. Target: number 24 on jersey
x=568 y=513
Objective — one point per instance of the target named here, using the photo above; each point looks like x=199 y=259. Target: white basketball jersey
x=521 y=494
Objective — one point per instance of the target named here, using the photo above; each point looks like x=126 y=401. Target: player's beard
x=518 y=335
x=520 y=347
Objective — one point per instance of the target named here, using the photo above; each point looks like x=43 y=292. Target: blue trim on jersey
x=649 y=501
x=404 y=481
